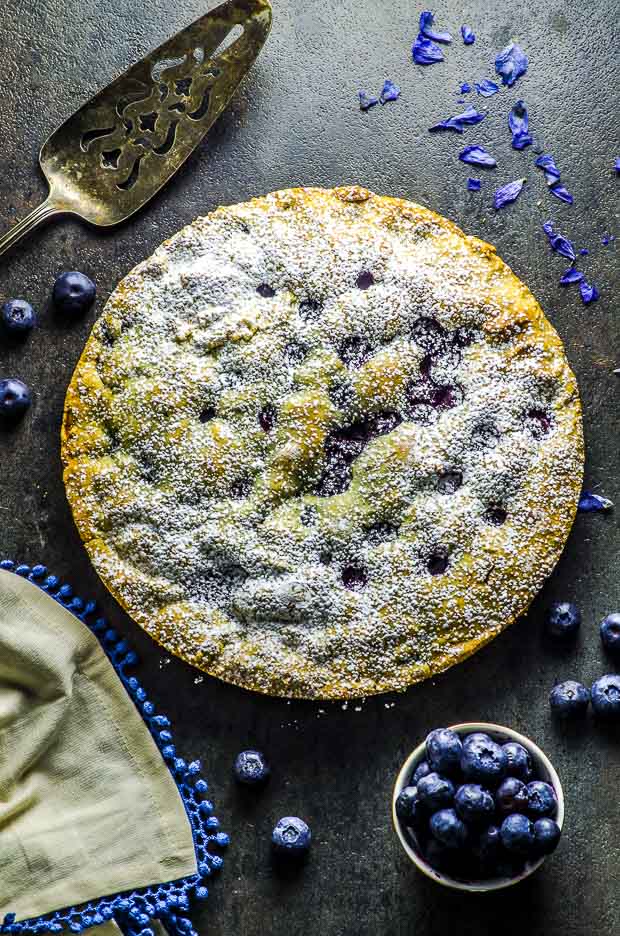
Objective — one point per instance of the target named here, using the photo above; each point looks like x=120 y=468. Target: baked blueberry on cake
x=323 y=444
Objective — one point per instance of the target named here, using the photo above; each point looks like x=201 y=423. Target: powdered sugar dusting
x=323 y=444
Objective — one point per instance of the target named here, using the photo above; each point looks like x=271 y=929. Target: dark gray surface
x=295 y=121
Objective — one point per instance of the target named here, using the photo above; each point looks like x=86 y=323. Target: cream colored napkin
x=88 y=807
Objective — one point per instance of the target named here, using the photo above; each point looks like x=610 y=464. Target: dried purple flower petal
x=552 y=173
x=425 y=52
x=617 y=164
x=468 y=118
x=465 y=88
x=473 y=184
x=468 y=35
x=561 y=245
x=607 y=239
x=486 y=87
x=507 y=194
x=589 y=293
x=570 y=276
x=511 y=63
x=584 y=251
x=426 y=28
x=477 y=156
x=562 y=193
x=389 y=92
x=589 y=502
x=519 y=124
x=366 y=100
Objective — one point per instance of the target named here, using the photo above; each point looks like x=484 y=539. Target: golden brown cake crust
x=322 y=444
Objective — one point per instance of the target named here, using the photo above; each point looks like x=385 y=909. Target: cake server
x=108 y=159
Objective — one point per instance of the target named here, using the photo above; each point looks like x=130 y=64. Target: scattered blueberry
x=251 y=768
x=484 y=762
x=435 y=792
x=605 y=695
x=18 y=317
x=610 y=633
x=569 y=699
x=15 y=399
x=563 y=620
x=443 y=751
x=473 y=803
x=422 y=770
x=541 y=799
x=291 y=836
x=511 y=796
x=448 y=829
x=546 y=836
x=519 y=760
x=73 y=293
x=517 y=834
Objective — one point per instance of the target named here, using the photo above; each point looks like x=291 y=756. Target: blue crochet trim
x=134 y=911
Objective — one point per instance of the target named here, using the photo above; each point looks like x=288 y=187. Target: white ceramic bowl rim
x=544 y=768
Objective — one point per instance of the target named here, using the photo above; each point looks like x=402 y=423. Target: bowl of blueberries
x=478 y=807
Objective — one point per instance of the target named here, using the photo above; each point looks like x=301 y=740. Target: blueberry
x=610 y=633
x=422 y=770
x=251 y=768
x=569 y=699
x=546 y=836
x=435 y=792
x=73 y=293
x=484 y=761
x=605 y=695
x=519 y=760
x=408 y=808
x=477 y=736
x=563 y=620
x=291 y=836
x=448 y=829
x=14 y=399
x=541 y=799
x=473 y=803
x=511 y=796
x=18 y=317
x=489 y=845
x=443 y=751
x=517 y=834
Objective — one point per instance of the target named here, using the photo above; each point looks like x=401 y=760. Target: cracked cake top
x=323 y=444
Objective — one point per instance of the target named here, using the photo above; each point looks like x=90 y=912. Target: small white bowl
x=543 y=769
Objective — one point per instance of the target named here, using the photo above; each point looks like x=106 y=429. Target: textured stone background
x=296 y=121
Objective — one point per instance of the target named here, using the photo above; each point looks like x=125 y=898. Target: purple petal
x=584 y=251
x=465 y=88
x=511 y=63
x=507 y=194
x=468 y=35
x=589 y=293
x=561 y=245
x=519 y=125
x=589 y=502
x=473 y=184
x=617 y=164
x=607 y=239
x=562 y=193
x=390 y=91
x=425 y=52
x=477 y=156
x=366 y=100
x=486 y=88
x=468 y=118
x=570 y=276
x=547 y=162
x=426 y=28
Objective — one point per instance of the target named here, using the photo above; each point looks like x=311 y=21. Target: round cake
x=323 y=444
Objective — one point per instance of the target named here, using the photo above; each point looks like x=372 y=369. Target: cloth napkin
x=88 y=807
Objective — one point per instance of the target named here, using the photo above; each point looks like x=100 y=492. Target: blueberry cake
x=323 y=444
